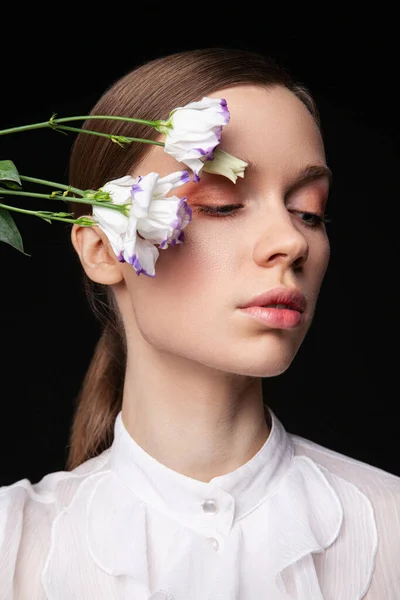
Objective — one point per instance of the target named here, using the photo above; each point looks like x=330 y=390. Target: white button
x=210 y=507
x=214 y=543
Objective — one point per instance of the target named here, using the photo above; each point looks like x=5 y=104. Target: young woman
x=182 y=483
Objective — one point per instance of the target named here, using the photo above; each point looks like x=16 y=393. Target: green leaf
x=9 y=176
x=9 y=232
x=42 y=214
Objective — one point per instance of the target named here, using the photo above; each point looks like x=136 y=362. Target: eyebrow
x=306 y=174
x=311 y=173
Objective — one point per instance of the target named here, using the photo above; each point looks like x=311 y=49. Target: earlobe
x=96 y=255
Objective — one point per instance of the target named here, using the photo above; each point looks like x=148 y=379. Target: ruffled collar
x=284 y=507
x=180 y=497
x=291 y=508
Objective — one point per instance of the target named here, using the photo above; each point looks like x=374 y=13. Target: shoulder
x=370 y=499
x=51 y=489
x=27 y=513
x=371 y=479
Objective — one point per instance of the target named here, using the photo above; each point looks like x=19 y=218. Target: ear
x=96 y=254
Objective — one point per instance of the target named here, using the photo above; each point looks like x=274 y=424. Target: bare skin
x=192 y=396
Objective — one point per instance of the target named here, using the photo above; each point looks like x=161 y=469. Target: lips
x=279 y=298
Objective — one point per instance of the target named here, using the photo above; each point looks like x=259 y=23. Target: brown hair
x=150 y=91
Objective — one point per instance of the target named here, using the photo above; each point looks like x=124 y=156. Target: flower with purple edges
x=192 y=132
x=153 y=218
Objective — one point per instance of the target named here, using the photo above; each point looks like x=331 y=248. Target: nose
x=281 y=242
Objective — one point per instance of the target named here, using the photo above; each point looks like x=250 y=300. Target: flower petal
x=113 y=224
x=226 y=164
x=145 y=258
x=120 y=189
x=142 y=194
x=170 y=182
x=201 y=115
x=166 y=220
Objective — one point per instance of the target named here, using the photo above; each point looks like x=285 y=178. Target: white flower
x=225 y=164
x=193 y=131
x=153 y=216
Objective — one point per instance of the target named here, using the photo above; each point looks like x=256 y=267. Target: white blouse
x=297 y=521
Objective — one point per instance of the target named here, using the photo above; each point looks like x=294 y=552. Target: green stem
x=69 y=188
x=53 y=122
x=108 y=135
x=36 y=213
x=120 y=207
x=110 y=118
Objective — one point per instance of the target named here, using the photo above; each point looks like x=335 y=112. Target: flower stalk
x=53 y=122
x=124 y=208
x=48 y=215
x=68 y=188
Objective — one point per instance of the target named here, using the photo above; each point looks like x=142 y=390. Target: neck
x=196 y=420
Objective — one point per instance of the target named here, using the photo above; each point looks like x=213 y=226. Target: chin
x=261 y=366
x=279 y=362
x=276 y=369
x=267 y=360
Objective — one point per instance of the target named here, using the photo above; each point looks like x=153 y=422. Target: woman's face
x=276 y=239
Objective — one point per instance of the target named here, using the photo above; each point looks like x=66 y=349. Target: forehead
x=270 y=124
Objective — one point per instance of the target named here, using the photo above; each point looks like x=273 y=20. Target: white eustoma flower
x=153 y=216
x=192 y=132
x=225 y=164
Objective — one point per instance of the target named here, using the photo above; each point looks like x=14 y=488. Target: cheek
x=186 y=280
x=187 y=297
x=325 y=251
x=196 y=266
x=319 y=259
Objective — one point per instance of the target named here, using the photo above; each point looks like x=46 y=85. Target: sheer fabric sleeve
x=24 y=541
x=385 y=497
x=383 y=491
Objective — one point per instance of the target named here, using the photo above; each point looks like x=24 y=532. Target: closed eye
x=311 y=219
x=227 y=210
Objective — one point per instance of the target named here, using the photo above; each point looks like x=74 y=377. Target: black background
x=341 y=390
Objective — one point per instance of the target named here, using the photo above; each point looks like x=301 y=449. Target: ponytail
x=100 y=398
